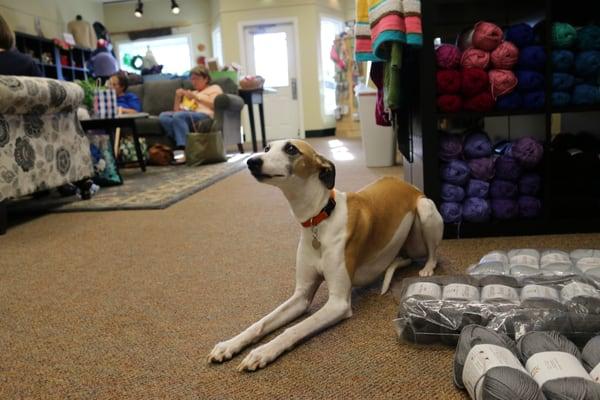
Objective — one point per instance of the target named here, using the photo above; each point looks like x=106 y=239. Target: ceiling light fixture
x=174 y=7
x=139 y=10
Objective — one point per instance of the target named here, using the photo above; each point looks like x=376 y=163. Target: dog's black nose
x=254 y=164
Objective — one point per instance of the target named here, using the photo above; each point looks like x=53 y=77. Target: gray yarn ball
x=591 y=353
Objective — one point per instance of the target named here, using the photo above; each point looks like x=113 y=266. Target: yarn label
x=577 y=289
x=499 y=293
x=595 y=374
x=536 y=292
x=494 y=256
x=460 y=292
x=549 y=365
x=524 y=259
x=424 y=290
x=587 y=263
x=554 y=258
x=482 y=358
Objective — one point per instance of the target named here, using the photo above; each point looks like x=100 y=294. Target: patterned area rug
x=157 y=188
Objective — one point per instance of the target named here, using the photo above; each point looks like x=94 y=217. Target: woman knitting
x=189 y=106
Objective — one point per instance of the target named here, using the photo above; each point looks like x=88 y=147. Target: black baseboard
x=320 y=133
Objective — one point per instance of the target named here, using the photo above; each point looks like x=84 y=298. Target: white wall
x=194 y=19
x=54 y=14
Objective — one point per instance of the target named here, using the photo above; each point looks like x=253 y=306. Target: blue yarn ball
x=477 y=145
x=587 y=64
x=451 y=212
x=529 y=81
x=562 y=82
x=534 y=100
x=563 y=60
x=455 y=172
x=520 y=34
x=476 y=209
x=530 y=184
x=532 y=58
x=452 y=193
x=511 y=101
x=477 y=188
x=501 y=189
x=529 y=207
x=505 y=208
x=561 y=99
x=586 y=94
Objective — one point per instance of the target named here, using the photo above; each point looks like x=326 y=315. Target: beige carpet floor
x=127 y=304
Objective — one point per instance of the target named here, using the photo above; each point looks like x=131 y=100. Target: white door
x=271 y=53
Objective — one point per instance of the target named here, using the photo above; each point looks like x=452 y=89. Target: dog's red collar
x=323 y=215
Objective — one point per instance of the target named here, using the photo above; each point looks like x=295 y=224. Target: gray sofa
x=157 y=96
x=42 y=145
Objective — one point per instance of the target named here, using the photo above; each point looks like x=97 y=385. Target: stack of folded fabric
x=473 y=79
x=575 y=64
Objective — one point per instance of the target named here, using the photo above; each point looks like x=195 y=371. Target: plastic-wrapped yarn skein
x=555 y=363
x=419 y=328
x=502 y=376
x=556 y=261
x=524 y=262
x=540 y=296
x=482 y=168
x=581 y=297
x=492 y=263
x=591 y=354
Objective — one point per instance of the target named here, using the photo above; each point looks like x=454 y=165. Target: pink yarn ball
x=447 y=56
x=487 y=36
x=502 y=81
x=475 y=58
x=505 y=56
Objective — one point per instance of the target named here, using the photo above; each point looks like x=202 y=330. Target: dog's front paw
x=223 y=351
x=258 y=358
x=427 y=270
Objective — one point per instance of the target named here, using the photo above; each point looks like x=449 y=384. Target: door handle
x=294 y=89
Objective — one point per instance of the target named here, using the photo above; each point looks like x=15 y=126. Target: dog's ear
x=326 y=171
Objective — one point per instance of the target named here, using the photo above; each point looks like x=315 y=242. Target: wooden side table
x=252 y=97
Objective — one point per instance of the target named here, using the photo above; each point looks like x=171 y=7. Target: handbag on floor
x=160 y=154
x=204 y=148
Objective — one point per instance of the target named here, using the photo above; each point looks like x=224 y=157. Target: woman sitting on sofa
x=128 y=102
x=190 y=106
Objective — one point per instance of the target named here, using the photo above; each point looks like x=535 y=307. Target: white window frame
x=322 y=82
x=217 y=45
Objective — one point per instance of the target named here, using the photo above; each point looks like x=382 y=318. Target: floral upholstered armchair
x=42 y=145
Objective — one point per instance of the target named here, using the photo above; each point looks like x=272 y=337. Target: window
x=217 y=45
x=329 y=29
x=172 y=52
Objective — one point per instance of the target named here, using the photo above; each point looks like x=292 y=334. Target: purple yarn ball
x=476 y=210
x=529 y=206
x=505 y=208
x=477 y=145
x=477 y=188
x=527 y=151
x=450 y=147
x=530 y=184
x=455 y=172
x=451 y=212
x=452 y=193
x=482 y=168
x=447 y=56
x=508 y=168
x=501 y=189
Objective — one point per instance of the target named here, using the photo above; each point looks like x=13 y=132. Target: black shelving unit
x=445 y=19
x=54 y=62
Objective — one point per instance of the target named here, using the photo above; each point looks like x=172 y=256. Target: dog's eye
x=291 y=149
x=267 y=149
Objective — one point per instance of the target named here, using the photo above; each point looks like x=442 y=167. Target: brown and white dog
x=347 y=239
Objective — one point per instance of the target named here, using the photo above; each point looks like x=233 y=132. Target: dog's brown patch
x=307 y=163
x=374 y=214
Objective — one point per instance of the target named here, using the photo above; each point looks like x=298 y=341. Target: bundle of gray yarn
x=501 y=382
x=555 y=363
x=591 y=354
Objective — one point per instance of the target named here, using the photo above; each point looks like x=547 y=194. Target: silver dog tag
x=316 y=244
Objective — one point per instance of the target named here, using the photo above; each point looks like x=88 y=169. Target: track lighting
x=139 y=10
x=174 y=7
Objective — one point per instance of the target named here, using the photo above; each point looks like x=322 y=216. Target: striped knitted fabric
x=380 y=22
